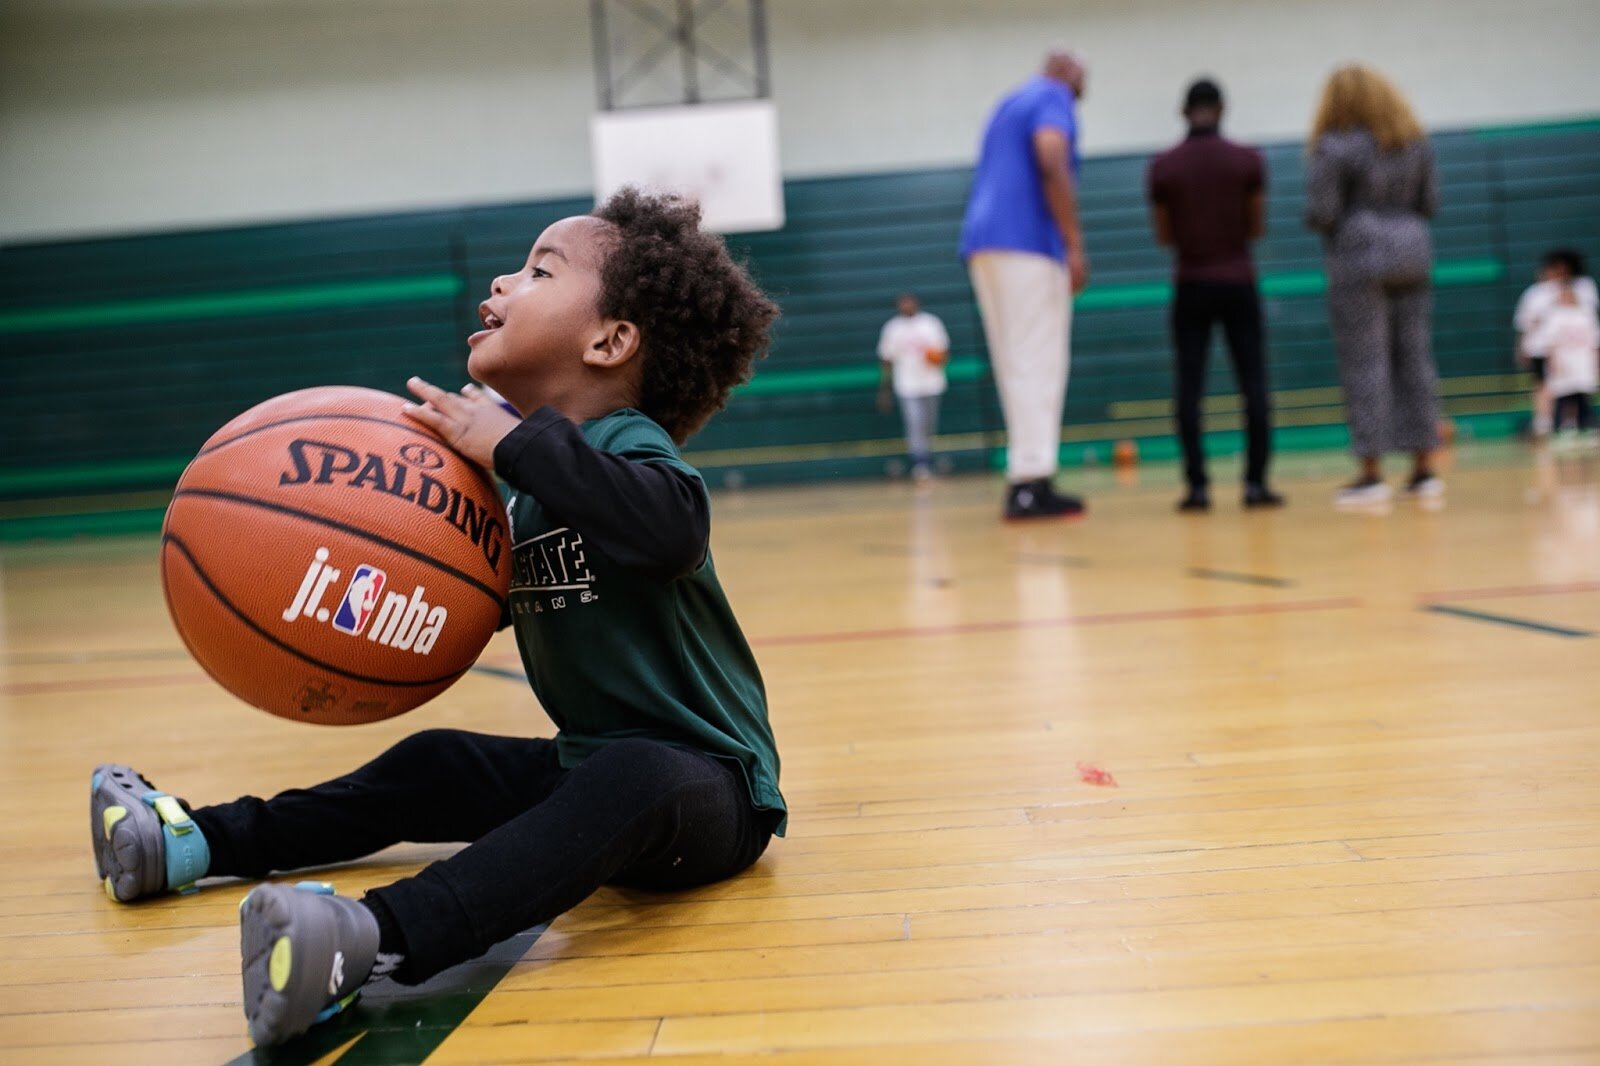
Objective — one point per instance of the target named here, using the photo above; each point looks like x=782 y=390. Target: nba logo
x=359 y=599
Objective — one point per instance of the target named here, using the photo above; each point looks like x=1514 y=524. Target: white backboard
x=723 y=155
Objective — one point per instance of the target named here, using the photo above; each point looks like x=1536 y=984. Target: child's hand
x=469 y=421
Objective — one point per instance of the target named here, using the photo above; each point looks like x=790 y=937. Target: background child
x=1567 y=340
x=623 y=332
x=914 y=349
x=1558 y=267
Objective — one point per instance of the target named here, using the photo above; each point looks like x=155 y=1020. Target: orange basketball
x=329 y=560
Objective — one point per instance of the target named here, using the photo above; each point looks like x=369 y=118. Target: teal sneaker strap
x=335 y=1007
x=188 y=854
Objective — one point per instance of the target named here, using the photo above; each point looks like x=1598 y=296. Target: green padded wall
x=123 y=355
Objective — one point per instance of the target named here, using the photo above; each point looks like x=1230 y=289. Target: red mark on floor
x=1094 y=775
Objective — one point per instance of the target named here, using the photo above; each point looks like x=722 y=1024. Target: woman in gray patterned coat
x=1371 y=188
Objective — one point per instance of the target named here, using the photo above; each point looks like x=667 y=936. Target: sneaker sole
x=285 y=990
x=126 y=831
x=1373 y=500
x=1065 y=516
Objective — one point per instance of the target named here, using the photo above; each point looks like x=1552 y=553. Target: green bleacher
x=123 y=355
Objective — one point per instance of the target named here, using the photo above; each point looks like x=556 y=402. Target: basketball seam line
x=483 y=479
x=177 y=542
x=342 y=527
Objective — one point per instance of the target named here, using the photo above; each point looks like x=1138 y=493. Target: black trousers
x=1196 y=307
x=636 y=813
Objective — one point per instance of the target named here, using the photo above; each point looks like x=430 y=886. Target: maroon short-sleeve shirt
x=1206 y=182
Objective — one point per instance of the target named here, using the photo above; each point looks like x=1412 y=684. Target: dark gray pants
x=1383 y=335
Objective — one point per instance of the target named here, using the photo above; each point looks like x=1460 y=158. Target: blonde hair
x=1358 y=97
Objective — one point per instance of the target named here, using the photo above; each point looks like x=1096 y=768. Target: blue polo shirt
x=1007 y=209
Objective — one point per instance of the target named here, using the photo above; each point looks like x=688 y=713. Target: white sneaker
x=1363 y=493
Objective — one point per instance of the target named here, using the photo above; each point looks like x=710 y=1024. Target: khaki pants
x=1027 y=319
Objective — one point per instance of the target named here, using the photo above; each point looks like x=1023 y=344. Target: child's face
x=539 y=321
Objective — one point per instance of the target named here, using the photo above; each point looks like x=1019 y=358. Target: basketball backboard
x=725 y=155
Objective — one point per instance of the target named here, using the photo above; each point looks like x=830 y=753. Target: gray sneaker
x=304 y=952
x=145 y=843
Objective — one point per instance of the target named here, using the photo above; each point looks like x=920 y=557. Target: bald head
x=1066 y=66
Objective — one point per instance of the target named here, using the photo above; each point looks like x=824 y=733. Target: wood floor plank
x=1345 y=830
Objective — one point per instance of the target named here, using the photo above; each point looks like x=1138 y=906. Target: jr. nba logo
x=360 y=597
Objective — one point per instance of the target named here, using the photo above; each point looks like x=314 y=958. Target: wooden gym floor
x=1355 y=818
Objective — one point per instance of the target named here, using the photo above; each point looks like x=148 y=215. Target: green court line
x=866 y=375
x=64 y=479
x=94 y=523
x=392 y=1023
x=112 y=521
x=293 y=298
x=279 y=300
x=1448 y=273
x=501 y=672
x=1507 y=620
x=1534 y=129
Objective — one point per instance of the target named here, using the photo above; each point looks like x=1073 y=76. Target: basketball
x=328 y=560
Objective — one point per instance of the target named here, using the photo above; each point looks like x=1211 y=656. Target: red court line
x=98 y=683
x=1510 y=591
x=1113 y=618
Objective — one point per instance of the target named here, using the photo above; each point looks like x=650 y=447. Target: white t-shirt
x=906 y=342
x=1538 y=298
x=1569 y=340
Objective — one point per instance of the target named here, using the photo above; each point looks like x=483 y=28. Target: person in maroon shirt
x=1206 y=200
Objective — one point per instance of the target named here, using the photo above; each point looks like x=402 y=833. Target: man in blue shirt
x=1023 y=246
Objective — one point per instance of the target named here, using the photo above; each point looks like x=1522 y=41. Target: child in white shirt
x=1559 y=267
x=914 y=348
x=1568 y=339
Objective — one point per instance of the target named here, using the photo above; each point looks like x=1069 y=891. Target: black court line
x=393 y=1023
x=285 y=646
x=345 y=527
x=1243 y=579
x=502 y=672
x=1507 y=620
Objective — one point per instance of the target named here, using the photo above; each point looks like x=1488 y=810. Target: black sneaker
x=1039 y=499
x=1198 y=501
x=1257 y=494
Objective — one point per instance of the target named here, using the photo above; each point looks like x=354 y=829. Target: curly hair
x=1569 y=259
x=702 y=321
x=1357 y=96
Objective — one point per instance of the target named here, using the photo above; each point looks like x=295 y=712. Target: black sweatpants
x=636 y=813
x=1196 y=306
